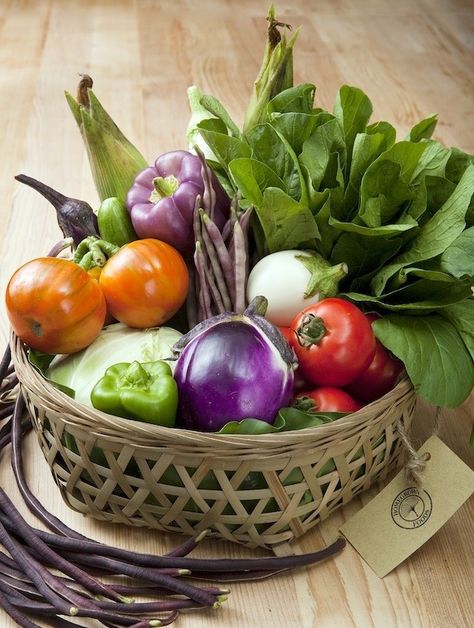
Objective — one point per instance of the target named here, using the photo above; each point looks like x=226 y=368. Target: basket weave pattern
x=257 y=490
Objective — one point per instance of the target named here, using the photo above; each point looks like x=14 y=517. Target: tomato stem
x=311 y=330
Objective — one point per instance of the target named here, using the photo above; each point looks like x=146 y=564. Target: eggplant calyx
x=258 y=306
x=311 y=330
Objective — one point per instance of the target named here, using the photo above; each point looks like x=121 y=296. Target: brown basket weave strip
x=258 y=490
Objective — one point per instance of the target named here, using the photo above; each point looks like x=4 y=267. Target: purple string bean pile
x=221 y=258
x=53 y=576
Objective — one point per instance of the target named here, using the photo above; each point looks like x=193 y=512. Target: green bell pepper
x=144 y=391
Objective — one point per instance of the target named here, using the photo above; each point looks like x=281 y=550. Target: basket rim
x=79 y=415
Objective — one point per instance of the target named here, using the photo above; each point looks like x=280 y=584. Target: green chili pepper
x=115 y=224
x=143 y=391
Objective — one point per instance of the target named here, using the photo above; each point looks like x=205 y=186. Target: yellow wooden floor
x=412 y=57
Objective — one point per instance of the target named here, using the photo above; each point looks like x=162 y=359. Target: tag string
x=416 y=464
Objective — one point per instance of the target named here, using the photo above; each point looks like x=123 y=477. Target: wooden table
x=412 y=58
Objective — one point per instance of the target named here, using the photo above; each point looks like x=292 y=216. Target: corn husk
x=114 y=160
x=276 y=72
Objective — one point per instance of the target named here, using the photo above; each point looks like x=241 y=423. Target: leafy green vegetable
x=287 y=419
x=458 y=259
x=436 y=235
x=286 y=223
x=424 y=129
x=400 y=215
x=434 y=355
x=353 y=110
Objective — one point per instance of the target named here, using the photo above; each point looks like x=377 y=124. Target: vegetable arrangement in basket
x=308 y=250
x=270 y=279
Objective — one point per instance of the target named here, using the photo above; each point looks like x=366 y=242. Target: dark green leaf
x=424 y=294
x=461 y=315
x=270 y=148
x=435 y=357
x=457 y=163
x=458 y=258
x=374 y=232
x=224 y=147
x=298 y=99
x=217 y=109
x=363 y=255
x=286 y=223
x=288 y=419
x=436 y=235
x=252 y=177
x=367 y=147
x=295 y=128
x=353 y=110
x=325 y=141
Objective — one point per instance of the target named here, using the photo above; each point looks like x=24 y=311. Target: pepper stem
x=164 y=186
x=311 y=330
x=136 y=374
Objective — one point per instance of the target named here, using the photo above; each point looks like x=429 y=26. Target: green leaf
x=424 y=294
x=458 y=258
x=433 y=160
x=286 y=223
x=270 y=148
x=435 y=357
x=353 y=110
x=325 y=141
x=373 y=232
x=217 y=109
x=457 y=164
x=296 y=128
x=386 y=186
x=224 y=147
x=461 y=315
x=367 y=147
x=287 y=420
x=423 y=129
x=363 y=255
x=298 y=99
x=436 y=235
x=252 y=177
x=386 y=129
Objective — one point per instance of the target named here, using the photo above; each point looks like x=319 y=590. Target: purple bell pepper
x=162 y=198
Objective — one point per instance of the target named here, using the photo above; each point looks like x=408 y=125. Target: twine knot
x=416 y=464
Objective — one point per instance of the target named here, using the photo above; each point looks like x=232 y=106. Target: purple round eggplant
x=162 y=198
x=233 y=367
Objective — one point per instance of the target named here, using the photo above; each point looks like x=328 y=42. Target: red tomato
x=333 y=342
x=300 y=382
x=145 y=283
x=54 y=305
x=380 y=376
x=329 y=399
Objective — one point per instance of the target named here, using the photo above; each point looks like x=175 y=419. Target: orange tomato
x=54 y=305
x=95 y=272
x=145 y=283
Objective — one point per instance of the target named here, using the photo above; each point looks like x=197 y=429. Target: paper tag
x=403 y=516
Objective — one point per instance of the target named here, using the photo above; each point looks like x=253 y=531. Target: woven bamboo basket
x=256 y=490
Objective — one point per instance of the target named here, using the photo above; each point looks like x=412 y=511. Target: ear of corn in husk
x=114 y=161
x=276 y=72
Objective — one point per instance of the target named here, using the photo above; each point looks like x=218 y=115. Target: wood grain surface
x=412 y=57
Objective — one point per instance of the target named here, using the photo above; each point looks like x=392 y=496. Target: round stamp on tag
x=411 y=508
